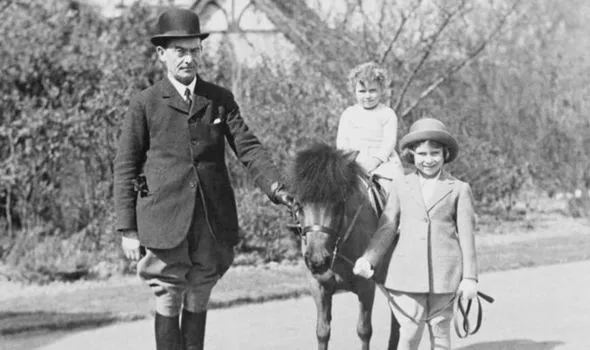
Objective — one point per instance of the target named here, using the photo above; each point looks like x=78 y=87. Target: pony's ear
x=351 y=155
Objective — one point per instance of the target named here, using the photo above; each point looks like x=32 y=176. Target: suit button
x=193 y=184
x=194 y=142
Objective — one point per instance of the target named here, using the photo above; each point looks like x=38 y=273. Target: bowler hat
x=431 y=129
x=177 y=23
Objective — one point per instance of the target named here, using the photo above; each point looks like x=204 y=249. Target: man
x=172 y=190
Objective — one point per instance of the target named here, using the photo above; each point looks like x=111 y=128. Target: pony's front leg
x=322 y=296
x=364 y=329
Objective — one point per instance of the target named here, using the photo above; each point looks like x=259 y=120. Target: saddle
x=376 y=192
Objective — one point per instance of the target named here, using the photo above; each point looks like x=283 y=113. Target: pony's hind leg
x=322 y=296
x=364 y=328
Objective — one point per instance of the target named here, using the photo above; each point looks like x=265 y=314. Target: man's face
x=182 y=58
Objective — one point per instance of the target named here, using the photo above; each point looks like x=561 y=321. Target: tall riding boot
x=193 y=329
x=167 y=333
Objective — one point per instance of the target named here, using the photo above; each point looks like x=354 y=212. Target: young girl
x=369 y=126
x=434 y=259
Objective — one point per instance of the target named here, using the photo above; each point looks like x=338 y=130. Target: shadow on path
x=514 y=344
x=12 y=323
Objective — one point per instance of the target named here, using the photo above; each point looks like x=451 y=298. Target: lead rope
x=344 y=237
x=464 y=312
x=458 y=308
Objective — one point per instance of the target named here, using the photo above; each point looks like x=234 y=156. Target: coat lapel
x=444 y=187
x=172 y=97
x=200 y=100
x=177 y=102
x=413 y=187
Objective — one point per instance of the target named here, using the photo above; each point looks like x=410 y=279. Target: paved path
x=541 y=308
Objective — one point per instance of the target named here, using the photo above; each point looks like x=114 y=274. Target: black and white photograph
x=294 y=174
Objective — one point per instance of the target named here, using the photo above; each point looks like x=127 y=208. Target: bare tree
x=333 y=52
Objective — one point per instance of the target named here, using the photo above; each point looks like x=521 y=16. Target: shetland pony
x=336 y=221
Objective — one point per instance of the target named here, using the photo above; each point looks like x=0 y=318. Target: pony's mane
x=323 y=174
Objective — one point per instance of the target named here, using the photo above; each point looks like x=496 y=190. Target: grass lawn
x=501 y=246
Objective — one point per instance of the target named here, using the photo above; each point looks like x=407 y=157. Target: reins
x=303 y=231
x=463 y=330
x=344 y=237
x=458 y=309
x=392 y=302
x=464 y=312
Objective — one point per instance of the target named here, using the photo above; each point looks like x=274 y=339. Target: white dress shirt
x=428 y=185
x=181 y=88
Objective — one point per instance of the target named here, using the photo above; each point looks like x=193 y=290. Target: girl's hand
x=363 y=268
x=467 y=289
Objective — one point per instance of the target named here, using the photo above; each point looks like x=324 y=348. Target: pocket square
x=217 y=121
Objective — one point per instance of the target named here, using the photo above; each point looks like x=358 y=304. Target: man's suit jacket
x=436 y=247
x=181 y=152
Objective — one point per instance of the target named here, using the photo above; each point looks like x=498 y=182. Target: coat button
x=194 y=142
x=193 y=184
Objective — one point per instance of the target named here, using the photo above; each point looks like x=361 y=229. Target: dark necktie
x=187 y=95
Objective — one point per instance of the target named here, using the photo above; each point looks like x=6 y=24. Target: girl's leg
x=439 y=327
x=410 y=328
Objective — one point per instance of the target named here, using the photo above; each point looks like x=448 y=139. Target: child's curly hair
x=367 y=72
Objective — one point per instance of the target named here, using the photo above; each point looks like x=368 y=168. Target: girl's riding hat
x=431 y=129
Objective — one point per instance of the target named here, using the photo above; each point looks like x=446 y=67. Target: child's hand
x=467 y=289
x=369 y=163
x=363 y=268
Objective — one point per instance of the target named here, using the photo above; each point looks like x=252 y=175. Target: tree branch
x=457 y=67
x=321 y=45
x=433 y=39
x=398 y=31
x=5 y=6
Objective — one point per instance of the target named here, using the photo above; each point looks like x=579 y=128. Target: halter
x=459 y=310
x=340 y=240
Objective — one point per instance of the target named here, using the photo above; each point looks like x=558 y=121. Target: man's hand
x=467 y=289
x=130 y=245
x=285 y=198
x=363 y=268
x=281 y=196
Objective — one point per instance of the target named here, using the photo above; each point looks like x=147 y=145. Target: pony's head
x=324 y=181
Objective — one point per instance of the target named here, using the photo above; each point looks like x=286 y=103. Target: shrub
x=68 y=74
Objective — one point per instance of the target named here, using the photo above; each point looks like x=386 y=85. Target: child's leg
x=439 y=326
x=388 y=172
x=413 y=305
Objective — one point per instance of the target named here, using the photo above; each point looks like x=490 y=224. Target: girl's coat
x=436 y=247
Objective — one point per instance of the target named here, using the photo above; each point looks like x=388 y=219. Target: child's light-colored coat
x=436 y=247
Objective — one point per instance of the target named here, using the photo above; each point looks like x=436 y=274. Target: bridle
x=340 y=238
x=460 y=311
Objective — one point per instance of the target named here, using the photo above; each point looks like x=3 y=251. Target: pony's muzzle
x=317 y=264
